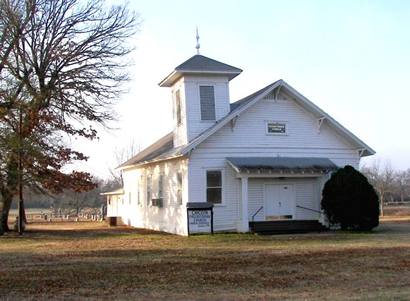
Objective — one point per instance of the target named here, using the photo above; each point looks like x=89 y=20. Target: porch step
x=286 y=226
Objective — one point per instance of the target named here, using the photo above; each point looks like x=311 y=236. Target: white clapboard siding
x=172 y=216
x=303 y=133
x=191 y=100
x=256 y=199
x=248 y=138
x=225 y=214
x=112 y=206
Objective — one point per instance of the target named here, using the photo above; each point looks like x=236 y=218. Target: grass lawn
x=73 y=261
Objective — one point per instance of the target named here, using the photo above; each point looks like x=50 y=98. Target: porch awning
x=281 y=164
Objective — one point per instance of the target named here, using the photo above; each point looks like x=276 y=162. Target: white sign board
x=200 y=221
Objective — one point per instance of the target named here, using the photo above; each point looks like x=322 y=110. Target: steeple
x=197 y=41
x=200 y=92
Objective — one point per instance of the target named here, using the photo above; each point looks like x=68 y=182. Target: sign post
x=200 y=218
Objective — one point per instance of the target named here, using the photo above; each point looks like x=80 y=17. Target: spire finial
x=197 y=41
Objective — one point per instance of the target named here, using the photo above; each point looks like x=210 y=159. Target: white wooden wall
x=172 y=216
x=225 y=214
x=112 y=206
x=192 y=124
x=248 y=138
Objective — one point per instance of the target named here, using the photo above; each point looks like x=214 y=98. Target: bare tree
x=402 y=184
x=382 y=176
x=62 y=67
x=121 y=155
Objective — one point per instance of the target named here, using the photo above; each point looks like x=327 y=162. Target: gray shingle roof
x=282 y=164
x=164 y=147
x=241 y=102
x=159 y=148
x=199 y=64
x=202 y=63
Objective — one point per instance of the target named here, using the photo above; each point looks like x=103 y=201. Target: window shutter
x=207 y=97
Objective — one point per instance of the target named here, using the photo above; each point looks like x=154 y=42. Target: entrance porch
x=280 y=194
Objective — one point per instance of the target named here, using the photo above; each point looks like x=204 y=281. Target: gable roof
x=164 y=148
x=199 y=64
x=242 y=105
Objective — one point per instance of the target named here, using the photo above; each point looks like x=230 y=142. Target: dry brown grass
x=74 y=261
x=397 y=211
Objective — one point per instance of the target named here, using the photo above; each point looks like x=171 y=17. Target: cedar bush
x=349 y=200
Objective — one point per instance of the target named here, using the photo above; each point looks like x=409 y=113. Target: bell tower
x=200 y=95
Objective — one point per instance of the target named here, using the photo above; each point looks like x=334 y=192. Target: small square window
x=276 y=128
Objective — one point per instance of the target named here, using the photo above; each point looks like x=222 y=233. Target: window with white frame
x=179 y=188
x=214 y=186
x=149 y=189
x=276 y=128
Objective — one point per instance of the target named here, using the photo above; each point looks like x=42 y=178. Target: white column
x=244 y=208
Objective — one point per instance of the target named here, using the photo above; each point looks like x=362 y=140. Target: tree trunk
x=7 y=191
x=381 y=204
x=5 y=204
x=23 y=213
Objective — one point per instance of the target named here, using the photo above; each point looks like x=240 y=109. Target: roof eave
x=140 y=164
x=177 y=74
x=368 y=150
x=114 y=192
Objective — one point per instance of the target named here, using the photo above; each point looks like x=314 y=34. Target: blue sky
x=351 y=58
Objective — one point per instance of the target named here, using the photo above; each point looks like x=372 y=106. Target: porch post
x=244 y=210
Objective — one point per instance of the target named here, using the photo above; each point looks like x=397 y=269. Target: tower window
x=178 y=107
x=207 y=98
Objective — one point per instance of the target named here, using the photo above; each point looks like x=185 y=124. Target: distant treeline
x=69 y=200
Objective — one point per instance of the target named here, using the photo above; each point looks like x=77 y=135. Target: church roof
x=202 y=63
x=199 y=64
x=160 y=147
x=164 y=147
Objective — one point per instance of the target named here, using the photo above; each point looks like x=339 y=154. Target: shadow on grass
x=52 y=232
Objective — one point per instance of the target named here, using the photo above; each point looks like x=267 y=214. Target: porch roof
x=281 y=164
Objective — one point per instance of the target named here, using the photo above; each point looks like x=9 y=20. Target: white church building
x=260 y=159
